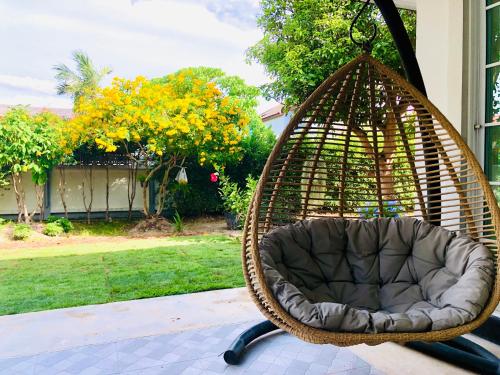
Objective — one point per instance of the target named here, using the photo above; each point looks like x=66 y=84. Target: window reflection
x=493 y=35
x=493 y=95
x=493 y=153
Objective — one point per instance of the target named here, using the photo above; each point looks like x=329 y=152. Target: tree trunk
x=22 y=210
x=145 y=203
x=18 y=200
x=88 y=207
x=40 y=193
x=131 y=186
x=151 y=173
x=162 y=191
x=61 y=188
x=107 y=194
x=385 y=155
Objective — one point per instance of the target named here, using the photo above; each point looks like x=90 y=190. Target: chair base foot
x=490 y=330
x=234 y=354
x=462 y=353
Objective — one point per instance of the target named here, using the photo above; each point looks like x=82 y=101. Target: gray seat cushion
x=378 y=275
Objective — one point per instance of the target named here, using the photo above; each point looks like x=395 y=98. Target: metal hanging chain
x=366 y=44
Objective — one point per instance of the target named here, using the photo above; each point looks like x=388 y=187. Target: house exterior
x=277 y=118
x=66 y=113
x=458 y=50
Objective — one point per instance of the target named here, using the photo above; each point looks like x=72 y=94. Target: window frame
x=483 y=67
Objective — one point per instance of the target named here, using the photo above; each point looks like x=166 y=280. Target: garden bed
x=119 y=230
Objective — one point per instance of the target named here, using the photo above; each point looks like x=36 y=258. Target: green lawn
x=41 y=279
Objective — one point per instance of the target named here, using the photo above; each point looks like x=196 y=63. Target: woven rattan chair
x=362 y=141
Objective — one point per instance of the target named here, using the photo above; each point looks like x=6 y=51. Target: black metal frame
x=235 y=352
x=414 y=76
x=459 y=351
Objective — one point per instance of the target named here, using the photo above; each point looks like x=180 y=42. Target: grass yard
x=73 y=275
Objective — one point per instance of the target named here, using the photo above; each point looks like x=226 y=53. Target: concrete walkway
x=53 y=330
x=182 y=334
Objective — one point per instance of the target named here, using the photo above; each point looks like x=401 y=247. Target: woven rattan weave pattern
x=366 y=143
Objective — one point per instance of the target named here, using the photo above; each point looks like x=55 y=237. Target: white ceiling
x=405 y=4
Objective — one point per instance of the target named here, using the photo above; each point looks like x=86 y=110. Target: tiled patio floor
x=184 y=334
x=193 y=352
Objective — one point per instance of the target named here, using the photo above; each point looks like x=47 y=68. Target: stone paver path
x=193 y=352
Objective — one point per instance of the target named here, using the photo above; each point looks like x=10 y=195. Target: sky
x=133 y=37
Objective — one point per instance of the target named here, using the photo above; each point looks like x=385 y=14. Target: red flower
x=214 y=177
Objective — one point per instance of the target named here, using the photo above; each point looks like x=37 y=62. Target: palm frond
x=105 y=71
x=85 y=67
x=64 y=72
x=85 y=79
x=67 y=79
x=63 y=88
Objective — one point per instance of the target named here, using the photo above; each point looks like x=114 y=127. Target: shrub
x=3 y=221
x=21 y=232
x=199 y=197
x=256 y=148
x=236 y=200
x=52 y=218
x=178 y=223
x=53 y=229
x=231 y=195
x=64 y=223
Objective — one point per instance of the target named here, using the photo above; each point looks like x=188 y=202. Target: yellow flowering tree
x=159 y=124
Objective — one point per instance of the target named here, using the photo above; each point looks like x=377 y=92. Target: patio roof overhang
x=403 y=4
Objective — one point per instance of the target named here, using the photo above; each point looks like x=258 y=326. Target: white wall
x=74 y=176
x=74 y=183
x=439 y=54
x=8 y=198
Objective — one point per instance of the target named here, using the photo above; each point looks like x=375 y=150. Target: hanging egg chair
x=372 y=220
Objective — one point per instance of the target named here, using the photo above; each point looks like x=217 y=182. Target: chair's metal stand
x=235 y=352
x=459 y=351
x=490 y=330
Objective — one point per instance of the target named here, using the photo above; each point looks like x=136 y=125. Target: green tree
x=84 y=80
x=231 y=86
x=307 y=40
x=30 y=144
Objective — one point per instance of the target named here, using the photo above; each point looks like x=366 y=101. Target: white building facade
x=458 y=50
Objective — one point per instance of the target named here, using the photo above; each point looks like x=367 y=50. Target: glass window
x=493 y=94
x=496 y=191
x=493 y=35
x=493 y=153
